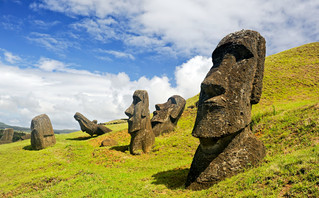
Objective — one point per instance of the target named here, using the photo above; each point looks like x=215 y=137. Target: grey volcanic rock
x=166 y=116
x=90 y=127
x=42 y=134
x=7 y=136
x=139 y=124
x=230 y=88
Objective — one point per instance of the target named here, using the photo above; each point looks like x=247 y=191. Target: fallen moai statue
x=234 y=83
x=139 y=124
x=90 y=127
x=42 y=134
x=166 y=116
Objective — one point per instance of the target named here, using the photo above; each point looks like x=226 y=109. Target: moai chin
x=139 y=124
x=230 y=88
x=166 y=116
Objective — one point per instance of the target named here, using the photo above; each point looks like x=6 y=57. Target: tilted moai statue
x=90 y=127
x=7 y=135
x=42 y=134
x=166 y=116
x=139 y=124
x=231 y=87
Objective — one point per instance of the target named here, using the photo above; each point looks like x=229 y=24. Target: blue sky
x=62 y=56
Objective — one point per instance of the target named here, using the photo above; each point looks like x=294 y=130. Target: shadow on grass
x=120 y=148
x=29 y=148
x=172 y=179
x=81 y=138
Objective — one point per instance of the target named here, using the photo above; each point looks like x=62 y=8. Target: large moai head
x=139 y=124
x=42 y=134
x=231 y=86
x=167 y=115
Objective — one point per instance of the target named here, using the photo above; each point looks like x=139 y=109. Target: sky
x=60 y=57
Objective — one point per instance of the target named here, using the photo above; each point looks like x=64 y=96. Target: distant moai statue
x=139 y=124
x=90 y=127
x=7 y=136
x=166 y=116
x=42 y=134
x=230 y=88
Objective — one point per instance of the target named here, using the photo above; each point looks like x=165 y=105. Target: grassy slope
x=286 y=120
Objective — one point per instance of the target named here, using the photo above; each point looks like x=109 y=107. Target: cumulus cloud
x=54 y=88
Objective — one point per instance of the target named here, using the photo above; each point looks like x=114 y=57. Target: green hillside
x=286 y=120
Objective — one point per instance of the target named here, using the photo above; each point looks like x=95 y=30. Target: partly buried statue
x=167 y=115
x=42 y=134
x=231 y=87
x=139 y=124
x=90 y=127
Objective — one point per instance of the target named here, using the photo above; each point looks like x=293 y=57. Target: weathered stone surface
x=139 y=124
x=109 y=142
x=26 y=136
x=231 y=86
x=7 y=135
x=166 y=116
x=42 y=134
x=90 y=127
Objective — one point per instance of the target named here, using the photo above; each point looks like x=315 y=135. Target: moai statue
x=231 y=87
x=42 y=134
x=166 y=116
x=139 y=124
x=7 y=135
x=90 y=127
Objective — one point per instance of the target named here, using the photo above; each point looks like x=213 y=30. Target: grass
x=78 y=167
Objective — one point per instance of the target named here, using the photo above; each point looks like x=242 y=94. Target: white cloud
x=8 y=56
x=51 y=43
x=194 y=27
x=118 y=54
x=190 y=75
x=45 y=24
x=52 y=87
x=99 y=29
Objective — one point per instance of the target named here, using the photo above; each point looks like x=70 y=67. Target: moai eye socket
x=240 y=52
x=211 y=90
x=136 y=100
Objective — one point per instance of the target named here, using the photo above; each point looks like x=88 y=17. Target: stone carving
x=7 y=136
x=167 y=115
x=90 y=127
x=108 y=142
x=42 y=134
x=139 y=124
x=231 y=87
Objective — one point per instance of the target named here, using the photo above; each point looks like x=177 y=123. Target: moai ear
x=145 y=105
x=258 y=79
